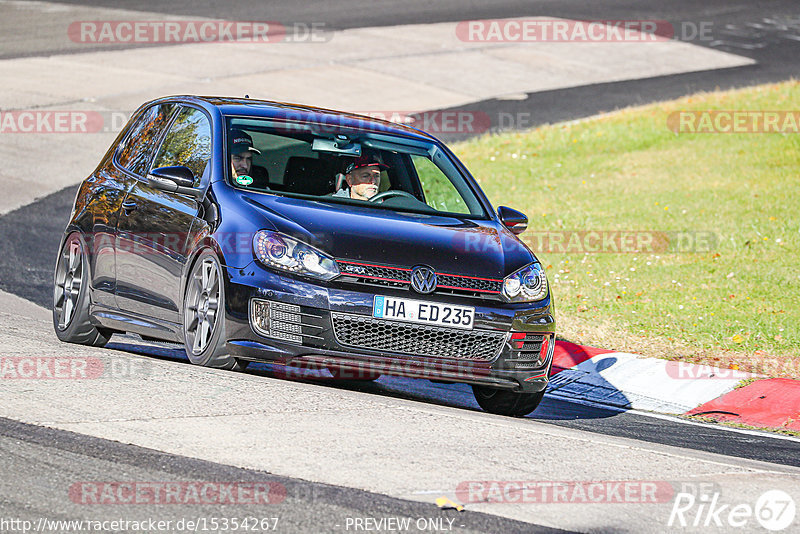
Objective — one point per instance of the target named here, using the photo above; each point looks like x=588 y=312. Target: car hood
x=456 y=245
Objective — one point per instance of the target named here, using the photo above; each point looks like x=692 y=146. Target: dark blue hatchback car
x=259 y=231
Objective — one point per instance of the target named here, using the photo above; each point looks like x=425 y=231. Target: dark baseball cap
x=241 y=142
x=365 y=161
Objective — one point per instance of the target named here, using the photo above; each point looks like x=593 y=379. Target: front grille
x=385 y=275
x=466 y=282
x=416 y=340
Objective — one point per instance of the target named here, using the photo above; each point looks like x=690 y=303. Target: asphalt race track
x=38 y=455
x=46 y=452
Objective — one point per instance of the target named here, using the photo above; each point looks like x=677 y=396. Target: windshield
x=346 y=166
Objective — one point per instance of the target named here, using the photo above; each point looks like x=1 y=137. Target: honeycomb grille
x=283 y=316
x=536 y=346
x=416 y=340
x=475 y=284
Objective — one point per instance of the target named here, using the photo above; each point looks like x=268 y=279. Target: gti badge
x=355 y=269
x=423 y=279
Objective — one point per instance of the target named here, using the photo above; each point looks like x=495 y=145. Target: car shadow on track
x=421 y=390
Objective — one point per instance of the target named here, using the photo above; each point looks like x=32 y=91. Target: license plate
x=422 y=312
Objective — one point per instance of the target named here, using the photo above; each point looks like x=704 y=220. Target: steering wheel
x=392 y=193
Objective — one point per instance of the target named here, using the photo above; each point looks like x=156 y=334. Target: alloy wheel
x=68 y=283
x=202 y=305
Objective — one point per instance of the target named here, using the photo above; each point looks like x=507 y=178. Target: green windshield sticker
x=244 y=180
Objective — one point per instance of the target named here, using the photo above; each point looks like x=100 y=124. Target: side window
x=440 y=193
x=187 y=143
x=140 y=143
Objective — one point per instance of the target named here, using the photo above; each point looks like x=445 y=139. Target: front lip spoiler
x=355 y=365
x=472 y=373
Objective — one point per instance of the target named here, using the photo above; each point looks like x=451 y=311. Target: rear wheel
x=71 y=297
x=504 y=402
x=204 y=316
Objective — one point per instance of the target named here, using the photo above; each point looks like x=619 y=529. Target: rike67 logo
x=774 y=510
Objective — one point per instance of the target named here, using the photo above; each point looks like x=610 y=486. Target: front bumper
x=330 y=325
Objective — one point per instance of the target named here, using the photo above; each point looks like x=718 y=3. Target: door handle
x=129 y=205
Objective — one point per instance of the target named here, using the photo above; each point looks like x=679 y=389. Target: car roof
x=297 y=112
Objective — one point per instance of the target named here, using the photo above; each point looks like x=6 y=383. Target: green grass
x=628 y=171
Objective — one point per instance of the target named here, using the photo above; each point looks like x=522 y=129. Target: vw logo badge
x=423 y=279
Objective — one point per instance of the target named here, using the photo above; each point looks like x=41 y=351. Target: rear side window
x=187 y=143
x=141 y=141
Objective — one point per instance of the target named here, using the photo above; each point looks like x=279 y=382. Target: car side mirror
x=177 y=179
x=514 y=220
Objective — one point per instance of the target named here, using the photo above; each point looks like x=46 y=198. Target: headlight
x=526 y=285
x=282 y=252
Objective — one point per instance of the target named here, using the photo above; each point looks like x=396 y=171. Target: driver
x=244 y=172
x=364 y=177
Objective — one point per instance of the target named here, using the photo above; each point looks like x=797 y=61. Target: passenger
x=363 y=177
x=244 y=172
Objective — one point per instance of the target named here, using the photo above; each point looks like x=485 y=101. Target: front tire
x=71 y=296
x=504 y=402
x=204 y=316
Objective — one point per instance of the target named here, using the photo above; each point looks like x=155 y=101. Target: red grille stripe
x=470 y=277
